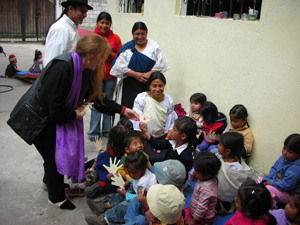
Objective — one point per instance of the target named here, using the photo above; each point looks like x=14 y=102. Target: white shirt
x=61 y=38
x=139 y=104
x=152 y=50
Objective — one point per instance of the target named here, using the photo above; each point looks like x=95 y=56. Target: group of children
x=217 y=167
x=36 y=68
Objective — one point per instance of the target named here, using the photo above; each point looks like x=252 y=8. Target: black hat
x=77 y=2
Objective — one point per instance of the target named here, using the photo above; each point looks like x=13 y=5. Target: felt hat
x=165 y=202
x=76 y=2
x=12 y=58
x=170 y=172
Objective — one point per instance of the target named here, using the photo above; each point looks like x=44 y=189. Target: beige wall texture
x=233 y=62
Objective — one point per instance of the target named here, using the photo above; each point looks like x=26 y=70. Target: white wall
x=253 y=63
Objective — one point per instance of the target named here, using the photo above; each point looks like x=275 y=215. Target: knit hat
x=12 y=58
x=170 y=172
x=76 y=2
x=165 y=202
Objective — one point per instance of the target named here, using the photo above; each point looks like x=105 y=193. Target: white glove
x=118 y=181
x=210 y=136
x=114 y=166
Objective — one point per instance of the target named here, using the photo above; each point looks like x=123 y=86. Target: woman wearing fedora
x=63 y=35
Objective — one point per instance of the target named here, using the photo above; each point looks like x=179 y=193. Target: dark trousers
x=45 y=144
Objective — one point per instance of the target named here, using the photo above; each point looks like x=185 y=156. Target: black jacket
x=44 y=102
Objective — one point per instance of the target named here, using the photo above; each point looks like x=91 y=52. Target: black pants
x=45 y=144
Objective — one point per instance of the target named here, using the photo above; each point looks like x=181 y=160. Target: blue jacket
x=285 y=176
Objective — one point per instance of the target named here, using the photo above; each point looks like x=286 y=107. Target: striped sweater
x=204 y=200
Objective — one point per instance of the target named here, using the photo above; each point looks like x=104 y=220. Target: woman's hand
x=79 y=113
x=130 y=114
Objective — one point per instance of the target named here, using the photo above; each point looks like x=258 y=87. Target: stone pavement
x=22 y=200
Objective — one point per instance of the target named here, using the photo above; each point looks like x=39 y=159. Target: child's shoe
x=96 y=220
x=75 y=191
x=96 y=207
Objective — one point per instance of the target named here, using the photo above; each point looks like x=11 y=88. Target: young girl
x=238 y=123
x=214 y=125
x=290 y=215
x=284 y=177
x=132 y=143
x=37 y=66
x=252 y=203
x=136 y=166
x=204 y=198
x=115 y=149
x=179 y=145
x=233 y=172
x=196 y=100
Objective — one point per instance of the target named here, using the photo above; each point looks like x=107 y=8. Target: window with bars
x=131 y=6
x=246 y=9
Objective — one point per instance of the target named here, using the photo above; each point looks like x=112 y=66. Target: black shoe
x=96 y=193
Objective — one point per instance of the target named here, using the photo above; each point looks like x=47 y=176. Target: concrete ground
x=22 y=200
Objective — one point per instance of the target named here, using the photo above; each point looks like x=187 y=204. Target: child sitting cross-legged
x=132 y=143
x=284 y=177
x=204 y=198
x=136 y=166
x=114 y=150
x=234 y=171
x=179 y=146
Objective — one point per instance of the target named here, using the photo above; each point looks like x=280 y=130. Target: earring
x=88 y=62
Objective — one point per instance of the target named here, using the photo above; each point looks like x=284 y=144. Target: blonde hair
x=92 y=44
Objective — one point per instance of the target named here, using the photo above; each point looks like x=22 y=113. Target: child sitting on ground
x=165 y=204
x=37 y=66
x=204 y=198
x=214 y=125
x=115 y=149
x=11 y=68
x=166 y=172
x=238 y=123
x=284 y=177
x=132 y=143
x=136 y=166
x=234 y=171
x=179 y=145
x=196 y=100
x=252 y=203
x=290 y=215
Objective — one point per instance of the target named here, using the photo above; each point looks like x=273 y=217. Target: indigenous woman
x=135 y=62
x=50 y=117
x=104 y=22
x=155 y=109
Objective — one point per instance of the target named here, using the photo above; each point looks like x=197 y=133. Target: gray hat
x=170 y=172
x=77 y=2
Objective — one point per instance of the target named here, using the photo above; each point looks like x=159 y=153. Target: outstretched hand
x=130 y=114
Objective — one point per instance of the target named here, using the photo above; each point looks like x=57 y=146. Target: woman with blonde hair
x=50 y=116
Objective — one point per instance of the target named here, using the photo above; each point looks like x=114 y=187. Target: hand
x=150 y=218
x=130 y=114
x=79 y=113
x=114 y=166
x=140 y=77
x=189 y=221
x=145 y=77
x=209 y=137
x=122 y=192
x=109 y=176
x=142 y=126
x=141 y=197
x=265 y=183
x=118 y=181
